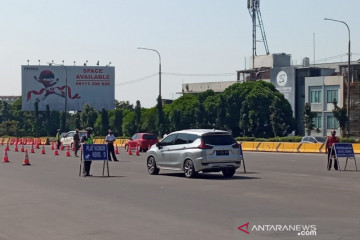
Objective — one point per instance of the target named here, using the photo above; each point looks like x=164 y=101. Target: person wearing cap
x=330 y=140
x=110 y=139
x=58 y=137
x=76 y=141
x=87 y=139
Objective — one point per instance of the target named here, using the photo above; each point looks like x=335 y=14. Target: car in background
x=141 y=140
x=195 y=150
x=68 y=138
x=312 y=139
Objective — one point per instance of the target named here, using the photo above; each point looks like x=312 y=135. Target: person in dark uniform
x=87 y=139
x=330 y=140
x=76 y=141
x=110 y=139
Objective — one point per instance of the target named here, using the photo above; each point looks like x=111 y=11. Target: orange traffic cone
x=116 y=149
x=22 y=148
x=7 y=147
x=43 y=149
x=67 y=151
x=56 y=152
x=129 y=149
x=37 y=146
x=16 y=148
x=52 y=146
x=137 y=153
x=26 y=160
x=32 y=148
x=6 y=158
x=61 y=147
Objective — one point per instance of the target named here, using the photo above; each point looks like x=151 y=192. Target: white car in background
x=68 y=138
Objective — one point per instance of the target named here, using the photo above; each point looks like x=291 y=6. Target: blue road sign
x=344 y=150
x=93 y=152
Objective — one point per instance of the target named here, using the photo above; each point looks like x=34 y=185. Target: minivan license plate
x=222 y=152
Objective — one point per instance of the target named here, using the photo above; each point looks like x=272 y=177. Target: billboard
x=284 y=81
x=68 y=87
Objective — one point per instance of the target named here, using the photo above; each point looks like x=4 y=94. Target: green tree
x=88 y=116
x=308 y=118
x=115 y=121
x=128 y=125
x=341 y=116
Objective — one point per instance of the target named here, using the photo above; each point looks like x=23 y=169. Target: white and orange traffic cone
x=7 y=147
x=37 y=145
x=56 y=152
x=6 y=158
x=16 y=148
x=32 y=148
x=67 y=151
x=43 y=149
x=52 y=146
x=26 y=160
x=22 y=148
x=116 y=149
x=61 y=146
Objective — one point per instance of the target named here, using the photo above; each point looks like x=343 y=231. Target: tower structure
x=254 y=10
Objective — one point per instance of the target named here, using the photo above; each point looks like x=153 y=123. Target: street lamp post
x=348 y=77
x=159 y=66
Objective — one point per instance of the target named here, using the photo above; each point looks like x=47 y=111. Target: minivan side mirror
x=159 y=145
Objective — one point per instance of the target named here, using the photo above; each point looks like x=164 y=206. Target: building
x=9 y=99
x=317 y=85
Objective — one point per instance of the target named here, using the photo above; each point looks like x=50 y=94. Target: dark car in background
x=141 y=140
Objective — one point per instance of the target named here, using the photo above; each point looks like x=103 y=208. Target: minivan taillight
x=236 y=145
x=204 y=146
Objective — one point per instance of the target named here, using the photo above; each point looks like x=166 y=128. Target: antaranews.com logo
x=298 y=229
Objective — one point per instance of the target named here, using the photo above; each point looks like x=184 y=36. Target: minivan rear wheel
x=228 y=172
x=151 y=166
x=189 y=169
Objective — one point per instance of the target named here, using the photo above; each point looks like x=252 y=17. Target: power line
x=137 y=80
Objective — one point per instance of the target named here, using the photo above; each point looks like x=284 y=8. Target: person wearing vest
x=87 y=139
x=330 y=140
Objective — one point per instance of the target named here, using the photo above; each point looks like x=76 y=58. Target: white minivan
x=195 y=150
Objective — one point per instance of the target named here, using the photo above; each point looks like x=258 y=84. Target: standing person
x=58 y=136
x=87 y=139
x=330 y=140
x=76 y=141
x=110 y=139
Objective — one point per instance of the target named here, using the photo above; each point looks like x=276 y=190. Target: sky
x=198 y=40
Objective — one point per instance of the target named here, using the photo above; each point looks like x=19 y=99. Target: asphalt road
x=48 y=200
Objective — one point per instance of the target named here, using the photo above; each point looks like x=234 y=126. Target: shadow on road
x=213 y=176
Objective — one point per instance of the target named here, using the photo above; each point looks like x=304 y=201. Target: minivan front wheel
x=151 y=166
x=228 y=172
x=189 y=169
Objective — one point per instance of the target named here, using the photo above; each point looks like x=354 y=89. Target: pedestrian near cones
x=26 y=160
x=76 y=144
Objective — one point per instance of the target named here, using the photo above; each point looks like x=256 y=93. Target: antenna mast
x=254 y=10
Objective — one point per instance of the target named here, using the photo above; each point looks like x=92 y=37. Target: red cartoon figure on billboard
x=47 y=78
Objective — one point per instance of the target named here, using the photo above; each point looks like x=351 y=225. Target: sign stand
x=242 y=157
x=94 y=152
x=342 y=150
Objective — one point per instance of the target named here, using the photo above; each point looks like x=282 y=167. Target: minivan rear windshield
x=218 y=139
